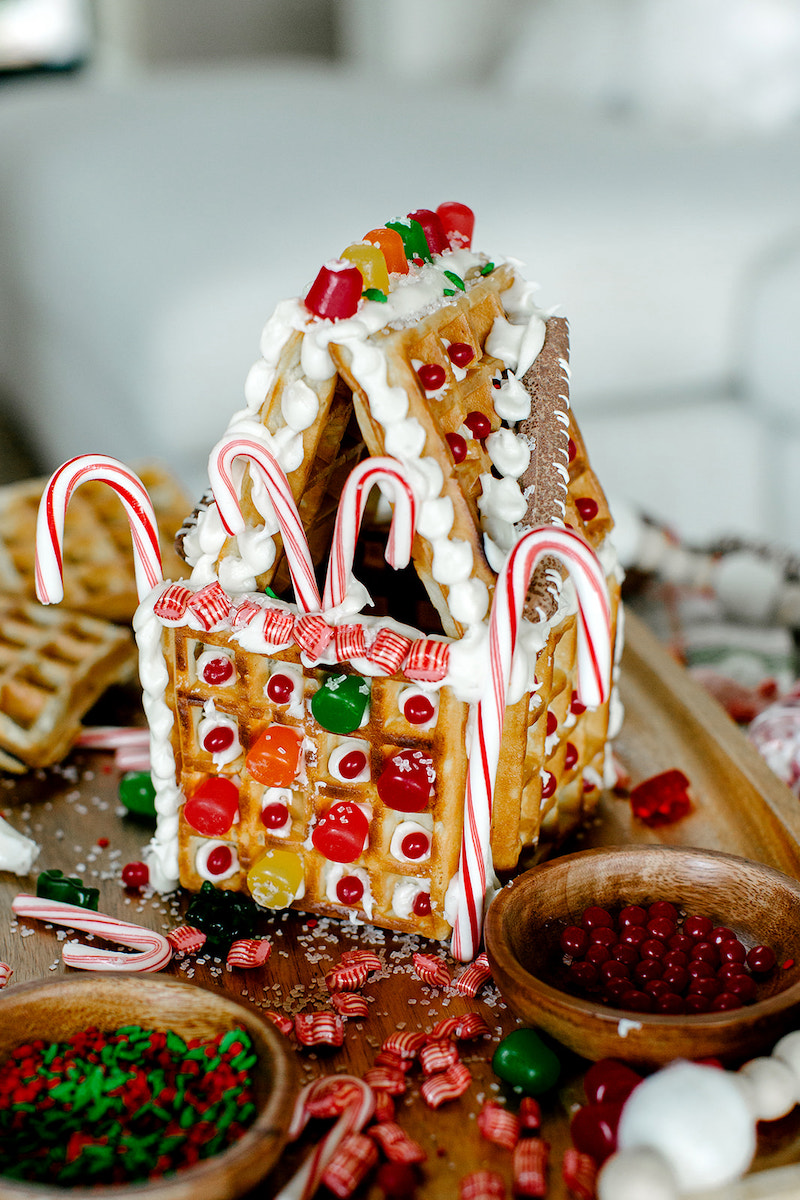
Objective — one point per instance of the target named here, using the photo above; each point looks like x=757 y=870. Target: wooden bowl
x=55 y=1009
x=760 y=904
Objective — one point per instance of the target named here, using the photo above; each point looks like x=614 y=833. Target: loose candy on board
x=137 y=793
x=223 y=916
x=524 y=1061
x=54 y=885
x=151 y=950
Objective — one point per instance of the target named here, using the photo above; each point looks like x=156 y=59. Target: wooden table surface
x=73 y=812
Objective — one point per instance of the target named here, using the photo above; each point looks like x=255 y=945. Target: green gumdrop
x=339 y=705
x=137 y=793
x=415 y=244
x=524 y=1061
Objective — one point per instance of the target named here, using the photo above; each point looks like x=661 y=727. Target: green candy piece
x=339 y=705
x=415 y=243
x=54 y=885
x=524 y=1061
x=137 y=793
x=456 y=280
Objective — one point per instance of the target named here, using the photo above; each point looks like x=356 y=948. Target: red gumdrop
x=349 y=889
x=661 y=799
x=609 y=1080
x=433 y=229
x=458 y=222
x=340 y=834
x=594 y=1130
x=406 y=781
x=211 y=809
x=336 y=291
x=460 y=353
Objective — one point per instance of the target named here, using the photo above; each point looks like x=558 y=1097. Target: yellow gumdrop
x=370 y=263
x=276 y=878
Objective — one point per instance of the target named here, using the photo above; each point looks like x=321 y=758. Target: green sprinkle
x=375 y=294
x=457 y=280
x=487 y=270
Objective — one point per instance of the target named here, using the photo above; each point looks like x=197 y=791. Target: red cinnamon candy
x=662 y=799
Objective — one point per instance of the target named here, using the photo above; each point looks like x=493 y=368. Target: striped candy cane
x=353 y=1118
x=298 y=555
x=49 y=566
x=390 y=475
x=594 y=672
x=152 y=950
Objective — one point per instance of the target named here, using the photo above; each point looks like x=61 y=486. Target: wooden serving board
x=740 y=807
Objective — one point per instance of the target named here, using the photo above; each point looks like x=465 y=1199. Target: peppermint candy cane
x=152 y=950
x=354 y=1117
x=594 y=672
x=298 y=555
x=390 y=474
x=49 y=566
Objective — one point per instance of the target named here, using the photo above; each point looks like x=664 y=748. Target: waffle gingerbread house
x=315 y=749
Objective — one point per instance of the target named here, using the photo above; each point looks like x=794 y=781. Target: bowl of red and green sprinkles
x=138 y=1084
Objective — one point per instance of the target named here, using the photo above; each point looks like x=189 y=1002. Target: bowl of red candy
x=650 y=953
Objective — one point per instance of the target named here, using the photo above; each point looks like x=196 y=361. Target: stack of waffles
x=55 y=664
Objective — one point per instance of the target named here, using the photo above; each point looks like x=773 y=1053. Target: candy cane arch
x=388 y=473
x=593 y=682
x=152 y=951
x=298 y=555
x=355 y=1115
x=49 y=565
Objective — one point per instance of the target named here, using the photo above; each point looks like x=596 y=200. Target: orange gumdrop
x=391 y=247
x=274 y=757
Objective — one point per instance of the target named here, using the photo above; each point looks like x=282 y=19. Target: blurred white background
x=170 y=169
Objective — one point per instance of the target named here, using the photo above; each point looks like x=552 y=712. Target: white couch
x=147 y=229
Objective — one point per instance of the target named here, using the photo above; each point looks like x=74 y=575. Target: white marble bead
x=771 y=1088
x=636 y=1175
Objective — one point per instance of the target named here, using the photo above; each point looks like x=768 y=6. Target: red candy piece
x=587 y=507
x=433 y=229
x=661 y=799
x=275 y=756
x=280 y=688
x=275 y=815
x=479 y=425
x=406 y=781
x=219 y=860
x=135 y=875
x=212 y=808
x=352 y=764
x=458 y=222
x=575 y=941
x=336 y=291
x=218 y=739
x=415 y=845
x=349 y=889
x=341 y=833
x=761 y=960
x=594 y=1130
x=432 y=376
x=418 y=709
x=570 y=756
x=609 y=1080
x=217 y=671
x=460 y=353
x=458 y=446
x=595 y=917
x=422 y=904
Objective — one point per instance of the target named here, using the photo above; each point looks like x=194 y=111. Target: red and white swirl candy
x=265 y=464
x=49 y=562
x=594 y=673
x=390 y=476
x=152 y=951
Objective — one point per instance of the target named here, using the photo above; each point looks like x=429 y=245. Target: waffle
x=98 y=561
x=54 y=665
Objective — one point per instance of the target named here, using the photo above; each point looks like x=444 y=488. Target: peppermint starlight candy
x=438 y=1056
x=395 y=1143
x=473 y=977
x=386 y=1079
x=431 y=969
x=49 y=563
x=248 y=953
x=446 y=1085
x=390 y=475
x=594 y=674
x=319 y=1029
x=498 y=1125
x=186 y=939
x=5 y=974
x=298 y=555
x=152 y=951
x=354 y=1158
x=350 y=1004
x=530 y=1160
